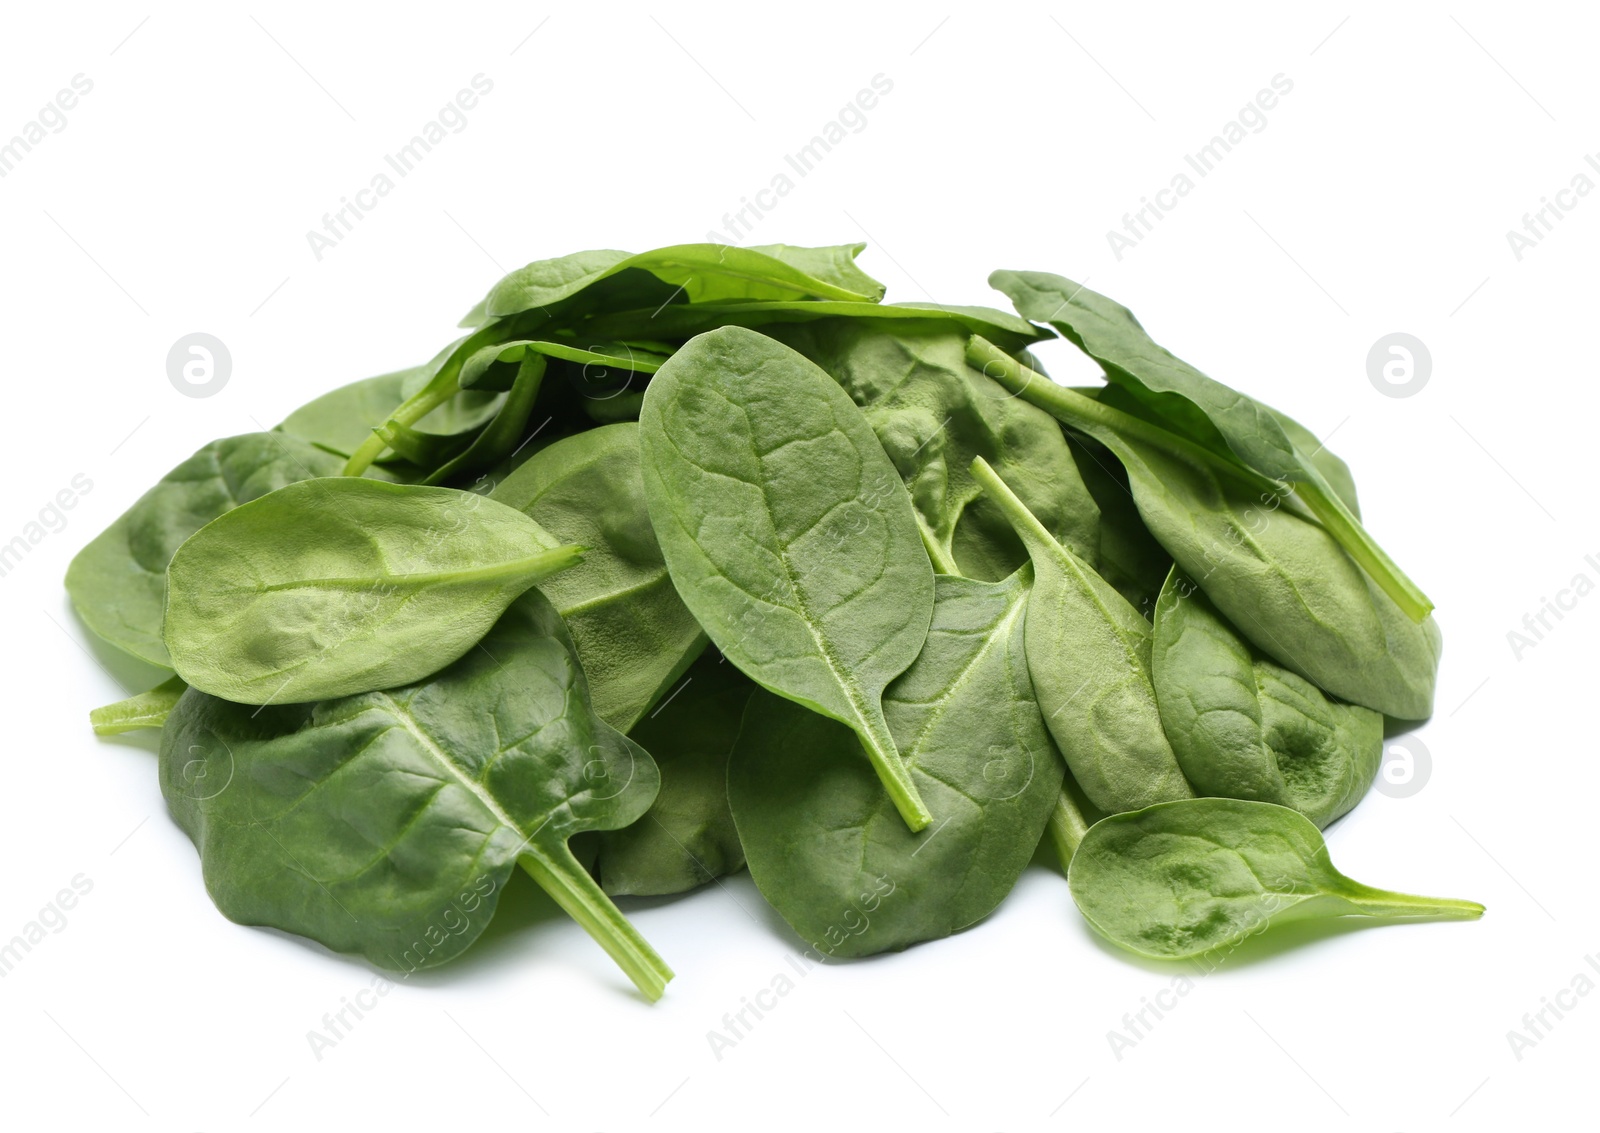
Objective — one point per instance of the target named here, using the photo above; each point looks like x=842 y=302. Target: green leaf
x=1204 y=411
x=1185 y=878
x=825 y=845
x=835 y=264
x=1246 y=728
x=1277 y=574
x=1089 y=654
x=703 y=273
x=341 y=585
x=387 y=824
x=634 y=635
x=683 y=320
x=118 y=582
x=687 y=837
x=933 y=413
x=788 y=532
x=146 y=710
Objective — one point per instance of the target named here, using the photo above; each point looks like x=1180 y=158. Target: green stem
x=943 y=563
x=1075 y=409
x=561 y=876
x=414 y=410
x=1066 y=827
x=147 y=710
x=1386 y=903
x=1346 y=528
x=892 y=773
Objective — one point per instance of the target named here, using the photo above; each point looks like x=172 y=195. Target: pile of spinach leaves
x=707 y=557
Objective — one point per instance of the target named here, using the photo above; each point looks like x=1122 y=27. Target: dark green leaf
x=388 y=823
x=824 y=843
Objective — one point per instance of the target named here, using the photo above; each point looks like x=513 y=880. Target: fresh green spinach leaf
x=700 y=272
x=388 y=823
x=1089 y=654
x=788 y=532
x=1246 y=728
x=1185 y=878
x=341 y=585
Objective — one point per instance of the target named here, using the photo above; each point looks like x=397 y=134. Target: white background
x=1377 y=199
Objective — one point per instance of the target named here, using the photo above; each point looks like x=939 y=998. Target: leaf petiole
x=570 y=885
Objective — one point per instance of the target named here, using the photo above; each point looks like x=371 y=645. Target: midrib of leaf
x=654 y=580
x=416 y=581
x=936 y=707
x=453 y=770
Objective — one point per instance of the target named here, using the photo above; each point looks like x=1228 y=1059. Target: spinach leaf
x=1246 y=728
x=1202 y=410
x=826 y=847
x=388 y=823
x=700 y=272
x=683 y=320
x=1089 y=654
x=933 y=413
x=341 y=585
x=687 y=837
x=788 y=532
x=1127 y=555
x=118 y=582
x=1278 y=575
x=1184 y=878
x=146 y=710
x=634 y=635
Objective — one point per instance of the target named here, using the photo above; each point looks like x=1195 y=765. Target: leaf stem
x=1360 y=546
x=895 y=778
x=560 y=875
x=1074 y=408
x=1387 y=903
x=943 y=562
x=1067 y=827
